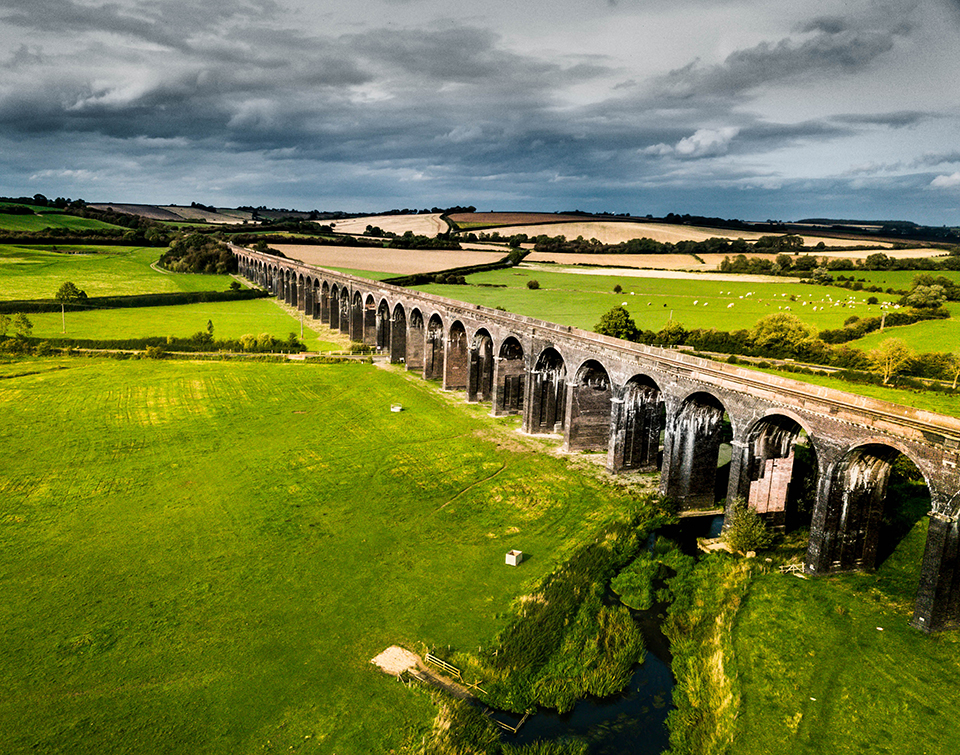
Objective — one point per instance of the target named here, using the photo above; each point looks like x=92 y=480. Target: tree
x=781 y=333
x=68 y=293
x=747 y=531
x=22 y=325
x=210 y=327
x=4 y=325
x=926 y=297
x=617 y=323
x=890 y=357
x=618 y=289
x=533 y=284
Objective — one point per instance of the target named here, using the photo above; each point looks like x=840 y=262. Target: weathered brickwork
x=609 y=395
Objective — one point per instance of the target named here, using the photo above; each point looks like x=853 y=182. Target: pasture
x=830 y=665
x=50 y=219
x=231 y=319
x=204 y=557
x=726 y=304
x=36 y=272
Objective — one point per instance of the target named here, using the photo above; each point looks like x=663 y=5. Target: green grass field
x=50 y=219
x=929 y=400
x=231 y=319
x=580 y=300
x=932 y=335
x=830 y=665
x=204 y=557
x=899 y=279
x=36 y=272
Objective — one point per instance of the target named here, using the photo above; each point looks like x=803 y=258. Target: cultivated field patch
x=609 y=232
x=398 y=261
x=421 y=225
x=648 y=261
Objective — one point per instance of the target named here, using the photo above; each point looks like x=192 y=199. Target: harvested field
x=143 y=210
x=422 y=225
x=664 y=274
x=478 y=220
x=609 y=232
x=713 y=260
x=399 y=261
x=646 y=261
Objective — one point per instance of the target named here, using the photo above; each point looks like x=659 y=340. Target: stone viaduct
x=604 y=394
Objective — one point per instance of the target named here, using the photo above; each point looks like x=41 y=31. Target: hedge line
x=30 y=306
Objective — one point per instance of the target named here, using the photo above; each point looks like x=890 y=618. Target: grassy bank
x=830 y=665
x=204 y=557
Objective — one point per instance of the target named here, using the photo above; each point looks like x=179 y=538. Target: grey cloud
x=825 y=53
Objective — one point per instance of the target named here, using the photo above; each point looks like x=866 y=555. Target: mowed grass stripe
x=186 y=579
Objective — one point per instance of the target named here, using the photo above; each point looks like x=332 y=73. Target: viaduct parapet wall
x=650 y=408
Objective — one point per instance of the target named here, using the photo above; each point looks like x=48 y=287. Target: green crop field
x=830 y=665
x=231 y=319
x=898 y=279
x=36 y=272
x=204 y=557
x=50 y=220
x=580 y=300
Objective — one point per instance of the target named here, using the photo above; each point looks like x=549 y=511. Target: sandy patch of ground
x=399 y=261
x=672 y=274
x=395 y=660
x=422 y=225
x=608 y=232
x=657 y=261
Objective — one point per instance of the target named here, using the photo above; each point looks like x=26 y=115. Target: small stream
x=631 y=722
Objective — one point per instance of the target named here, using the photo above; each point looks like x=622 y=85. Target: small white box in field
x=396 y=408
x=514 y=558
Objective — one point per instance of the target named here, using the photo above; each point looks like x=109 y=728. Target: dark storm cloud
x=833 y=49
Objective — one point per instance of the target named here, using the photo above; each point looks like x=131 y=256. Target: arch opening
x=511 y=377
x=433 y=350
x=369 y=332
x=344 y=311
x=480 y=379
x=398 y=336
x=641 y=424
x=383 y=324
x=325 y=303
x=697 y=453
x=876 y=497
x=416 y=341
x=456 y=372
x=589 y=416
x=548 y=393
x=356 y=318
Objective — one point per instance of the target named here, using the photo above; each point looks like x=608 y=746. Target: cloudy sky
x=736 y=108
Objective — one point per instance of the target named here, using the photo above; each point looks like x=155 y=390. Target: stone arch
x=510 y=377
x=691 y=453
x=416 y=341
x=433 y=349
x=301 y=292
x=309 y=298
x=480 y=379
x=398 y=335
x=370 y=320
x=548 y=393
x=356 y=317
x=316 y=310
x=856 y=525
x=456 y=358
x=588 y=415
x=777 y=470
x=639 y=420
x=334 y=307
x=345 y=310
x=325 y=303
x=383 y=323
